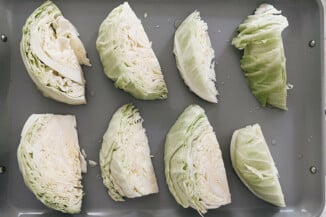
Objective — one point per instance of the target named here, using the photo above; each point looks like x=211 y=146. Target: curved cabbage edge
x=194 y=56
x=125 y=162
x=264 y=61
x=50 y=161
x=194 y=167
x=51 y=51
x=253 y=163
x=127 y=55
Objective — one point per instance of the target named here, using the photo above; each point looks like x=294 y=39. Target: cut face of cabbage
x=127 y=55
x=51 y=162
x=194 y=56
x=52 y=53
x=263 y=60
x=254 y=164
x=194 y=167
x=125 y=162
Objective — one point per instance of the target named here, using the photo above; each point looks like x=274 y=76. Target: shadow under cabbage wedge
x=263 y=61
x=50 y=161
x=125 y=160
x=194 y=57
x=194 y=168
x=127 y=55
x=52 y=54
x=253 y=163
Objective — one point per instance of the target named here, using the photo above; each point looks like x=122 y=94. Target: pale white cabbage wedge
x=52 y=53
x=253 y=163
x=194 y=56
x=194 y=167
x=50 y=161
x=125 y=161
x=127 y=55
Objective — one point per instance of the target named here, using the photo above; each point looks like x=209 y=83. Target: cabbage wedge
x=253 y=163
x=127 y=55
x=263 y=61
x=50 y=161
x=52 y=53
x=194 y=168
x=125 y=161
x=194 y=56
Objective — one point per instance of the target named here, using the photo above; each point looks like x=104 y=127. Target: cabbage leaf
x=263 y=61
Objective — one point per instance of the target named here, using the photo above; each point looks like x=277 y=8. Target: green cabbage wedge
x=263 y=60
x=194 y=56
x=50 y=161
x=253 y=163
x=127 y=55
x=52 y=53
x=125 y=160
x=194 y=167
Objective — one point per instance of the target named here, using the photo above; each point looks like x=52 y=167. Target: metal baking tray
x=295 y=137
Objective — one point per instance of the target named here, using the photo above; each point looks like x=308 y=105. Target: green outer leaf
x=191 y=141
x=50 y=84
x=264 y=61
x=253 y=163
x=126 y=167
x=127 y=55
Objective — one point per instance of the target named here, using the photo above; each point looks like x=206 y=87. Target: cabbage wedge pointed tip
x=50 y=161
x=127 y=55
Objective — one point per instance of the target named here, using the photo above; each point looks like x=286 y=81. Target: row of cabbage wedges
x=49 y=156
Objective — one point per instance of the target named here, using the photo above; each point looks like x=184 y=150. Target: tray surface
x=295 y=136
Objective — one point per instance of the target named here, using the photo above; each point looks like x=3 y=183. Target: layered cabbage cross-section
x=52 y=53
x=125 y=161
x=194 y=168
x=50 y=161
x=127 y=55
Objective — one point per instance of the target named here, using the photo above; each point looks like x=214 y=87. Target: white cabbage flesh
x=194 y=167
x=50 y=161
x=125 y=162
x=52 y=53
x=127 y=55
x=253 y=163
x=194 y=56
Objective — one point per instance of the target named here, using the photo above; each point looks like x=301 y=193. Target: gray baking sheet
x=295 y=137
